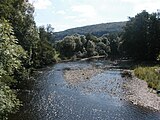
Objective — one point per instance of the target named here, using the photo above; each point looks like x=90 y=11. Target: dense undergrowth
x=150 y=74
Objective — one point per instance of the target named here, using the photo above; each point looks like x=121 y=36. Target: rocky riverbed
x=138 y=93
x=75 y=76
x=81 y=91
x=135 y=90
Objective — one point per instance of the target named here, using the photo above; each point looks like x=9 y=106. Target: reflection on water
x=101 y=98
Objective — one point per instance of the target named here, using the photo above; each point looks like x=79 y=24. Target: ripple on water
x=96 y=99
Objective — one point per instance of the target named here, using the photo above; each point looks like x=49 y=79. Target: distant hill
x=97 y=30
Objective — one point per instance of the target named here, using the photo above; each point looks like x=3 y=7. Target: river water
x=100 y=98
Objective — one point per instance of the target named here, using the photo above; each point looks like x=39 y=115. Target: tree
x=66 y=47
x=141 y=37
x=114 y=43
x=102 y=46
x=50 y=33
x=20 y=15
x=11 y=53
x=21 y=49
x=154 y=36
x=91 y=48
x=10 y=60
x=8 y=101
x=46 y=33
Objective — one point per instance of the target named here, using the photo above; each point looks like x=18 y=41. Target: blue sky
x=65 y=14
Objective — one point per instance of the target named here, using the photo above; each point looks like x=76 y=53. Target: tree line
x=140 y=40
x=141 y=37
x=82 y=46
x=23 y=48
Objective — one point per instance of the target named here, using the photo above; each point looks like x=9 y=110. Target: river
x=100 y=98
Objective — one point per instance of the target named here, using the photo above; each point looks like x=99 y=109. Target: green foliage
x=10 y=60
x=67 y=46
x=10 y=52
x=46 y=33
x=90 y=48
x=150 y=75
x=141 y=39
x=46 y=54
x=8 y=101
x=23 y=47
x=20 y=15
x=114 y=43
x=82 y=46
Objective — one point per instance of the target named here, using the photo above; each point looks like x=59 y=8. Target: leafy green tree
x=50 y=33
x=83 y=46
x=66 y=47
x=46 y=33
x=11 y=53
x=42 y=33
x=91 y=49
x=153 y=37
x=101 y=48
x=8 y=101
x=44 y=53
x=78 y=42
x=20 y=15
x=10 y=60
x=114 y=43
x=47 y=54
x=22 y=48
x=90 y=37
x=83 y=39
x=138 y=37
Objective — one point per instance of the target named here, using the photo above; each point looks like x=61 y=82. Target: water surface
x=100 y=98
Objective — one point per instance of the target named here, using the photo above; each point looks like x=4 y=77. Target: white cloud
x=84 y=13
x=60 y=26
x=41 y=4
x=61 y=12
x=148 y=5
x=139 y=1
x=73 y=13
x=70 y=17
x=81 y=20
x=84 y=10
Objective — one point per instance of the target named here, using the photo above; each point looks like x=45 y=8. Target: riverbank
x=137 y=91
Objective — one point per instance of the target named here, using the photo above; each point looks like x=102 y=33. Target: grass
x=150 y=75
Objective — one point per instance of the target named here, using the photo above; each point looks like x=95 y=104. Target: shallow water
x=100 y=98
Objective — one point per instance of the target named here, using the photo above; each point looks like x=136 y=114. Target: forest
x=25 y=47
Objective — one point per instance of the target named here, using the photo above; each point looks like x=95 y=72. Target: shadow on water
x=100 y=98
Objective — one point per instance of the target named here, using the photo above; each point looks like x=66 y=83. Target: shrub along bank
x=150 y=74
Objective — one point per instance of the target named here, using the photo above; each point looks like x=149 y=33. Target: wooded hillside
x=97 y=30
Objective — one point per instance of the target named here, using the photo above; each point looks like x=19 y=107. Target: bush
x=8 y=101
x=150 y=75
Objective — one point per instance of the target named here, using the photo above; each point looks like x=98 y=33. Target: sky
x=65 y=14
